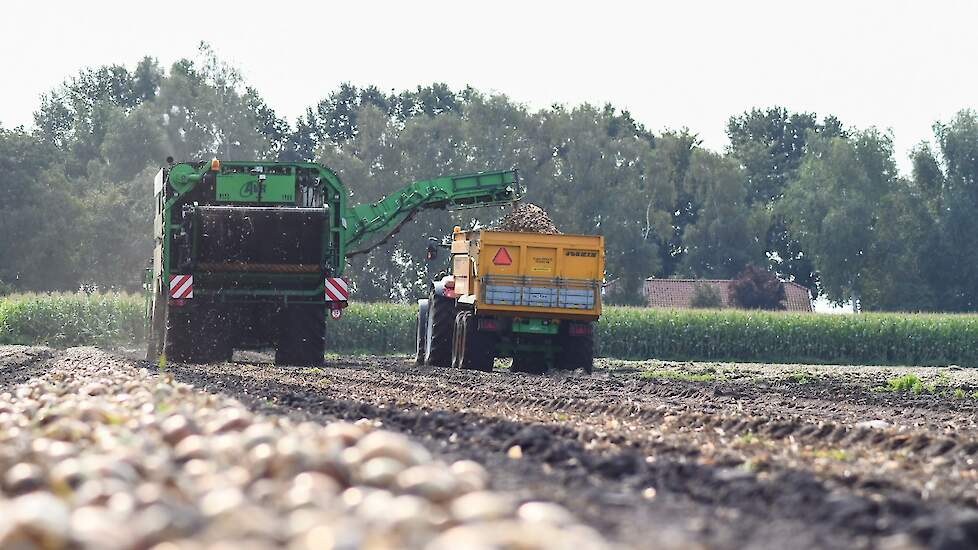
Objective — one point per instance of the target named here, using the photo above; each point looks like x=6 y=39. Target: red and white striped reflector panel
x=181 y=286
x=337 y=289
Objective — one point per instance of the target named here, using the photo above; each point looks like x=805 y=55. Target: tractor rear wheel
x=473 y=349
x=458 y=336
x=576 y=351
x=302 y=335
x=440 y=330
x=422 y=330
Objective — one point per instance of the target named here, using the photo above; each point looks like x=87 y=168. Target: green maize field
x=627 y=333
x=780 y=337
x=62 y=320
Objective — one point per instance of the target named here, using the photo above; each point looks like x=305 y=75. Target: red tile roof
x=677 y=293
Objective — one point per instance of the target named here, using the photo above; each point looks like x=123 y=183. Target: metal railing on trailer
x=512 y=290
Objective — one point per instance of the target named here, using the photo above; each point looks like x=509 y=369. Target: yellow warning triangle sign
x=502 y=257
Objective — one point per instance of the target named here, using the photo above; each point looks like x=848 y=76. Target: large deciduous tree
x=39 y=249
x=727 y=234
x=86 y=172
x=946 y=180
x=833 y=207
x=770 y=145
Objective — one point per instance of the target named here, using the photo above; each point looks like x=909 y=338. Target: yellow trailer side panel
x=530 y=274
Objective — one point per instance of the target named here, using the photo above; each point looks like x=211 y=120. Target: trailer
x=251 y=254
x=533 y=297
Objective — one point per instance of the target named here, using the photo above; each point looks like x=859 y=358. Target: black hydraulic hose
x=393 y=232
x=410 y=216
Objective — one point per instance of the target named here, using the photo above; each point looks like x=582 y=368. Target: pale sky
x=896 y=65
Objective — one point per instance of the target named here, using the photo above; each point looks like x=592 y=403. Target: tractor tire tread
x=576 y=352
x=441 y=314
x=475 y=349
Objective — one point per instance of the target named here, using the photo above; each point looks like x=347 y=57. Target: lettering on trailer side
x=542 y=264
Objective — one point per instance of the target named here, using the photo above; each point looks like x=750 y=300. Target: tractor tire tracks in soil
x=19 y=364
x=667 y=463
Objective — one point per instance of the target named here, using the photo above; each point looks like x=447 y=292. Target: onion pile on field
x=99 y=454
x=528 y=218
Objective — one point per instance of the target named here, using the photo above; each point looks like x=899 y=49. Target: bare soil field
x=663 y=455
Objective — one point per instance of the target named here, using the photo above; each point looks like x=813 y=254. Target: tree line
x=811 y=199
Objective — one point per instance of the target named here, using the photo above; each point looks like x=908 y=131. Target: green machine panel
x=256 y=187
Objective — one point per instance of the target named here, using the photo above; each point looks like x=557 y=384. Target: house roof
x=677 y=293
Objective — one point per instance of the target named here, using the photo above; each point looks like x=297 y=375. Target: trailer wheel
x=576 y=352
x=474 y=349
x=422 y=331
x=440 y=330
x=530 y=362
x=302 y=335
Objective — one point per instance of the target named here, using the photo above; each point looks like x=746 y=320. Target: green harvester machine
x=251 y=254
